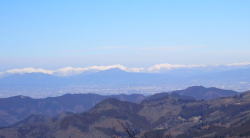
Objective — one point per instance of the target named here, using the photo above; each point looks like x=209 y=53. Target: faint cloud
x=239 y=64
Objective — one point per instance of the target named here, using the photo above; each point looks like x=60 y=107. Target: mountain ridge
x=163 y=117
x=16 y=108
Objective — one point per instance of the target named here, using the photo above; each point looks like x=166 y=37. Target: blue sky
x=57 y=33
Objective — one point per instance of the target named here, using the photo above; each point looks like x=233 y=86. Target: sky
x=134 y=33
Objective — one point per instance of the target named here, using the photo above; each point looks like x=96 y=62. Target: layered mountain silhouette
x=14 y=109
x=17 y=108
x=158 y=116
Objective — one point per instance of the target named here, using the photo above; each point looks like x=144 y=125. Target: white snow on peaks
x=67 y=71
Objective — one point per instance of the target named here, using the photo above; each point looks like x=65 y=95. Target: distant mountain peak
x=113 y=70
x=197 y=87
x=21 y=97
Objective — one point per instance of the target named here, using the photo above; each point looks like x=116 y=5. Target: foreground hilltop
x=169 y=115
